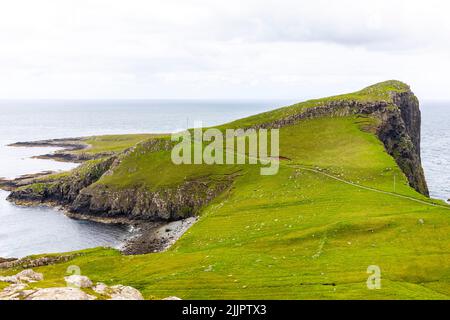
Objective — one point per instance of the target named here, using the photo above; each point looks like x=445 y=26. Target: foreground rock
x=120 y=292
x=26 y=276
x=101 y=288
x=77 y=281
x=14 y=292
x=29 y=276
x=18 y=289
x=64 y=293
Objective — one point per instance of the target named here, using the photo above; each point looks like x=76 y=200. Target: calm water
x=25 y=231
x=436 y=147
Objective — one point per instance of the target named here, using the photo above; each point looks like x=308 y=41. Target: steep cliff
x=137 y=203
x=400 y=131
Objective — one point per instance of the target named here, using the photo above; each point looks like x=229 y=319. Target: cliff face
x=63 y=190
x=139 y=204
x=400 y=131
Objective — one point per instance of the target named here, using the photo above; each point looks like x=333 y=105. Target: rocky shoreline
x=156 y=237
x=23 y=180
x=151 y=235
x=147 y=237
x=67 y=154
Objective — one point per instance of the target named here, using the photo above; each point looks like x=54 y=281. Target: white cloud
x=220 y=49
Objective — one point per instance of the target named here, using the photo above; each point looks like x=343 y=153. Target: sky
x=208 y=49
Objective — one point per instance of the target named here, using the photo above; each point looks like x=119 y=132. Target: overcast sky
x=220 y=49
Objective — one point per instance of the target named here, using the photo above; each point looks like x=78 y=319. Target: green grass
x=377 y=92
x=114 y=143
x=297 y=235
x=3 y=285
x=139 y=169
x=36 y=187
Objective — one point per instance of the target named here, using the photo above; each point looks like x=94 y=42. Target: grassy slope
x=297 y=235
x=139 y=169
x=378 y=92
x=114 y=143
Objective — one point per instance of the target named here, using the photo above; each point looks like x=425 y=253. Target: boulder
x=120 y=292
x=17 y=291
x=29 y=275
x=13 y=292
x=66 y=293
x=9 y=279
x=101 y=288
x=78 y=281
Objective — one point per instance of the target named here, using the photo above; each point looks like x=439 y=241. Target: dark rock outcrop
x=65 y=190
x=400 y=131
x=140 y=204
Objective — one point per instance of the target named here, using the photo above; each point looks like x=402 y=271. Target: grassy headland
x=338 y=204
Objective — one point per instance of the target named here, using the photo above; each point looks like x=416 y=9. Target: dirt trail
x=368 y=188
